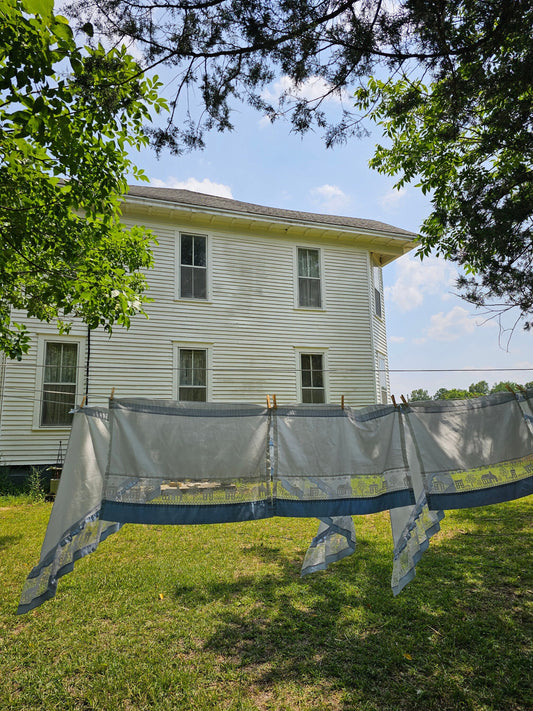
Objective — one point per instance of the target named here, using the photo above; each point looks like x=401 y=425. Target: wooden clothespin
x=112 y=394
x=268 y=402
x=83 y=401
x=275 y=402
x=405 y=402
x=509 y=388
x=394 y=401
x=342 y=402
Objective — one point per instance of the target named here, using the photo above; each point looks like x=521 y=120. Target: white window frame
x=42 y=340
x=382 y=381
x=320 y=251
x=209 y=257
x=377 y=275
x=194 y=346
x=311 y=351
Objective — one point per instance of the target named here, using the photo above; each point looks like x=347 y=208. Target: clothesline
x=166 y=462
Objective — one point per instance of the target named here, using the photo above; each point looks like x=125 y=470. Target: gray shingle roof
x=189 y=198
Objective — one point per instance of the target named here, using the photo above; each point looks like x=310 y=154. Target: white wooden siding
x=250 y=324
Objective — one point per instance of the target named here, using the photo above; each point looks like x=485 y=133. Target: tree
x=477 y=389
x=419 y=394
x=68 y=116
x=504 y=386
x=453 y=394
x=456 y=109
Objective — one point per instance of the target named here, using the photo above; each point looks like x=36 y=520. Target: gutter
x=406 y=237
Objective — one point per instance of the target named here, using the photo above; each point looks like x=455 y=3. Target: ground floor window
x=312 y=369
x=59 y=383
x=383 y=390
x=192 y=375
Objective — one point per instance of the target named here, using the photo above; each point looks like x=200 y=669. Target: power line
x=278 y=369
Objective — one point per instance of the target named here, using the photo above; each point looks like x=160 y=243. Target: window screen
x=193 y=375
x=59 y=383
x=312 y=378
x=193 y=266
x=309 y=278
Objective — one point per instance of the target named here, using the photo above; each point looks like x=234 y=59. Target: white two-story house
x=248 y=301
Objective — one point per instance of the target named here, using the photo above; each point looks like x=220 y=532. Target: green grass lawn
x=217 y=617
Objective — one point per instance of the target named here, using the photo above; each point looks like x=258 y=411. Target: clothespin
x=112 y=394
x=509 y=388
x=275 y=403
x=268 y=401
x=83 y=401
x=342 y=402
x=405 y=402
x=394 y=401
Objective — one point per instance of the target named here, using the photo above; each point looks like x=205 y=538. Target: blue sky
x=429 y=327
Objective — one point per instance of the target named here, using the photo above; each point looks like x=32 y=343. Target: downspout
x=87 y=365
x=2 y=382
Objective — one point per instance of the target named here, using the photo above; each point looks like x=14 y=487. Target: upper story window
x=193 y=266
x=192 y=374
x=59 y=383
x=309 y=288
x=312 y=368
x=377 y=278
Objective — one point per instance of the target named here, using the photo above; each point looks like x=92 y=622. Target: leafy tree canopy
x=453 y=394
x=68 y=116
x=419 y=394
x=456 y=109
x=474 y=390
x=481 y=388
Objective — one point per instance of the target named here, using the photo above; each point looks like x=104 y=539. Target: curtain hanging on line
x=165 y=462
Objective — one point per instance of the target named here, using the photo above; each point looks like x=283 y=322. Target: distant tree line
x=474 y=390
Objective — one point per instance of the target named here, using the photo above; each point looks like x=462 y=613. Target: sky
x=439 y=338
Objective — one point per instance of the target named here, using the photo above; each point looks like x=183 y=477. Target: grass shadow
x=442 y=644
x=8 y=541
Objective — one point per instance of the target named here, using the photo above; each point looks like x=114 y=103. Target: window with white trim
x=192 y=371
x=378 y=290
x=193 y=266
x=309 y=286
x=383 y=390
x=312 y=377
x=60 y=375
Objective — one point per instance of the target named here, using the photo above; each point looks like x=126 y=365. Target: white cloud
x=452 y=325
x=392 y=198
x=330 y=198
x=197 y=186
x=311 y=89
x=397 y=339
x=416 y=279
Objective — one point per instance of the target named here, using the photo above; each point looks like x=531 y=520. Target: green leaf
x=44 y=8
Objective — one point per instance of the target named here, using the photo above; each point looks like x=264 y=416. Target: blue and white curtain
x=165 y=462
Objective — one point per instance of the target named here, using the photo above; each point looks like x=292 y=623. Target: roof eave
x=402 y=242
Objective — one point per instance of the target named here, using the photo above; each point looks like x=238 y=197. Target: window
x=312 y=370
x=377 y=278
x=192 y=375
x=193 y=266
x=59 y=383
x=309 y=291
x=383 y=391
